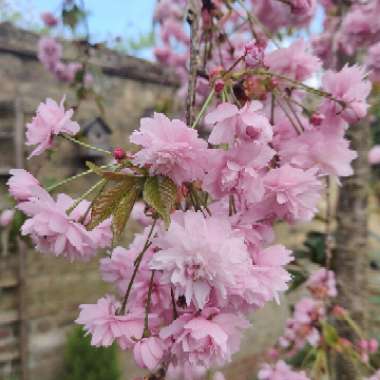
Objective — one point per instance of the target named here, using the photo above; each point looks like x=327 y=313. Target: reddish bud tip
x=119 y=153
x=219 y=86
x=316 y=119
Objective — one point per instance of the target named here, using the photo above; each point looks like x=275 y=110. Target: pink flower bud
x=219 y=86
x=363 y=344
x=338 y=311
x=148 y=353
x=316 y=119
x=49 y=19
x=119 y=153
x=273 y=353
x=6 y=217
x=373 y=345
x=374 y=155
x=345 y=342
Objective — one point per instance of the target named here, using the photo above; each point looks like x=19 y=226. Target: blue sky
x=125 y=18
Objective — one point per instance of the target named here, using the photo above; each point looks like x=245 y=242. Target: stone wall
x=55 y=287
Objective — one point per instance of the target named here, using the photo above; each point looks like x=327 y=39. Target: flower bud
x=316 y=119
x=219 y=86
x=119 y=153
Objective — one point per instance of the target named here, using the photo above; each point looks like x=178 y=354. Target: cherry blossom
x=51 y=119
x=170 y=148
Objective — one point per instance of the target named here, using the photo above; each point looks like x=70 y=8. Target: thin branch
x=193 y=20
x=137 y=263
x=147 y=306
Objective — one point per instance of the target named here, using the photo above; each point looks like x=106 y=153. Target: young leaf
x=106 y=203
x=168 y=192
x=330 y=334
x=123 y=211
x=160 y=194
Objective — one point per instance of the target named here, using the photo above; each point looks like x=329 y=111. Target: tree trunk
x=350 y=259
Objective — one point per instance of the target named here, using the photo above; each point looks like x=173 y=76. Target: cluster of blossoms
x=306 y=329
x=50 y=55
x=185 y=287
x=50 y=52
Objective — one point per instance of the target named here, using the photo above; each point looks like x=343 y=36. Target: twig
x=137 y=263
x=193 y=20
x=147 y=306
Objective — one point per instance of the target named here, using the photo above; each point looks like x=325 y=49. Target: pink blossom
x=247 y=123
x=322 y=47
x=21 y=184
x=269 y=270
x=218 y=376
x=239 y=171
x=49 y=52
x=254 y=54
x=6 y=217
x=186 y=371
x=275 y=14
x=118 y=269
x=54 y=231
x=325 y=149
x=51 y=119
x=300 y=329
x=49 y=19
x=199 y=255
x=375 y=376
x=280 y=371
x=303 y=7
x=173 y=29
x=322 y=284
x=293 y=192
x=170 y=148
x=374 y=155
x=102 y=234
x=373 y=62
x=66 y=72
x=149 y=352
x=138 y=214
x=294 y=61
x=360 y=27
x=349 y=87
x=205 y=340
x=106 y=326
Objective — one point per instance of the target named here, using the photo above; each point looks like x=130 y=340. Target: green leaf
x=107 y=202
x=330 y=334
x=160 y=194
x=72 y=16
x=123 y=211
x=298 y=278
x=168 y=192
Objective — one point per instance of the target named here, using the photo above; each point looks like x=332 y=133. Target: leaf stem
x=73 y=178
x=137 y=263
x=203 y=109
x=84 y=195
x=85 y=145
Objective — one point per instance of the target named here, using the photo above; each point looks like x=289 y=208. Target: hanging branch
x=193 y=21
